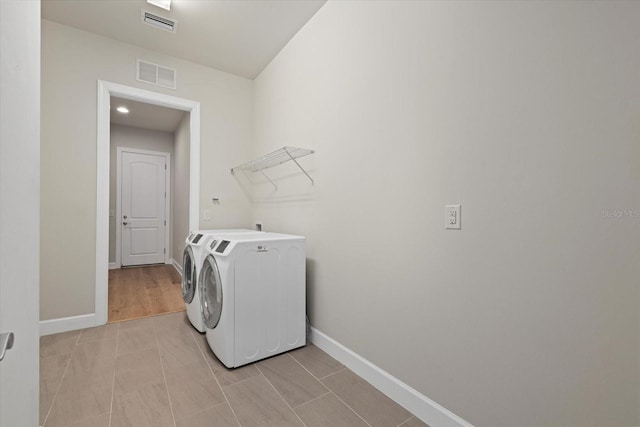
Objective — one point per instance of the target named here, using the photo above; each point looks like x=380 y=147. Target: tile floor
x=159 y=371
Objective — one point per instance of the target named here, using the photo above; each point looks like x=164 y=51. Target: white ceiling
x=145 y=116
x=237 y=36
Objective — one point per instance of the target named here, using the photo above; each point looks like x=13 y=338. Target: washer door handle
x=6 y=343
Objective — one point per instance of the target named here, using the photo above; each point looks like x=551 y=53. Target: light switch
x=207 y=214
x=452 y=217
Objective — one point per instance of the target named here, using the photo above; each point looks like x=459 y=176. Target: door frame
x=167 y=200
x=105 y=91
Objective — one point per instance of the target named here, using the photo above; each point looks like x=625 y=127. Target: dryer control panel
x=222 y=246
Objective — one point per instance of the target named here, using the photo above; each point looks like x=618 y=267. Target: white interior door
x=143 y=208
x=19 y=209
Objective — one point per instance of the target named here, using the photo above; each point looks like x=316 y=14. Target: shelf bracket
x=298 y=164
x=269 y=179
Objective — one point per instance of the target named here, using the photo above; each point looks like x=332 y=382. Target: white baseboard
x=413 y=401
x=177 y=266
x=113 y=265
x=64 y=324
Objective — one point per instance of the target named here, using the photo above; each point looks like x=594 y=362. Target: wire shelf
x=275 y=158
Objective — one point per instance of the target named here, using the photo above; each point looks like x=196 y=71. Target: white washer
x=193 y=256
x=253 y=296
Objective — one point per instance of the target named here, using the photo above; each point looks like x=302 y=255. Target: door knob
x=124 y=216
x=125 y=223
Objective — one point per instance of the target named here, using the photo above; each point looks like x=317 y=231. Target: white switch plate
x=207 y=214
x=452 y=217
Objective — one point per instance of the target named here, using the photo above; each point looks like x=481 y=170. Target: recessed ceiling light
x=122 y=109
x=165 y=4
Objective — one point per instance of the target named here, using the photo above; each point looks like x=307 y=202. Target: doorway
x=144 y=141
x=105 y=214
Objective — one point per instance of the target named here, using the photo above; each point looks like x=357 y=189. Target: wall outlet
x=452 y=217
x=207 y=214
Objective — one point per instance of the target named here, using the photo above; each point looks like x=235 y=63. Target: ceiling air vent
x=155 y=74
x=159 y=21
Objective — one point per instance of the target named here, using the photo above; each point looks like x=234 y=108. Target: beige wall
x=527 y=114
x=72 y=62
x=180 y=190
x=141 y=139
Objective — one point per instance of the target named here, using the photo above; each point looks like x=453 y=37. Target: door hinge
x=165 y=222
x=165 y=250
x=165 y=167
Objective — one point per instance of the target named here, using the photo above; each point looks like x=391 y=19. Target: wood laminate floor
x=136 y=292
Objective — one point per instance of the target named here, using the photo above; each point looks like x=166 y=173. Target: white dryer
x=253 y=296
x=192 y=259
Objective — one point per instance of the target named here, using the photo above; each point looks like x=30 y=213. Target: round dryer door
x=210 y=292
x=188 y=275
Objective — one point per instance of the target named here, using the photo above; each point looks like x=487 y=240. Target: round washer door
x=210 y=292
x=188 y=275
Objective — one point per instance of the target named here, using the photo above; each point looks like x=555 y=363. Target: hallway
x=137 y=292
